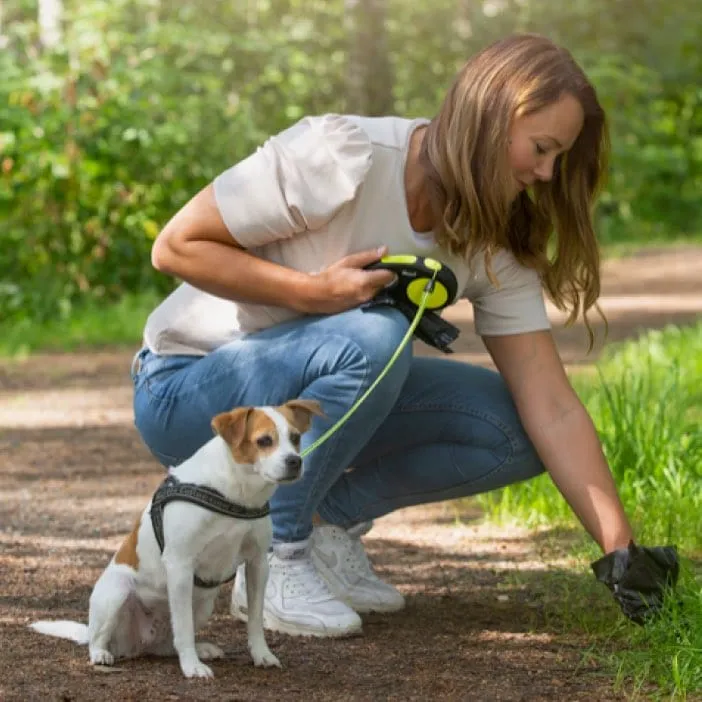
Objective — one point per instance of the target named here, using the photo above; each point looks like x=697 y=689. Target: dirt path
x=73 y=474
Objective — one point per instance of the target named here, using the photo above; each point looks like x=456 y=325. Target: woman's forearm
x=196 y=246
x=234 y=274
x=566 y=439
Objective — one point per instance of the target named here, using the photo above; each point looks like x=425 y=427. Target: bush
x=103 y=139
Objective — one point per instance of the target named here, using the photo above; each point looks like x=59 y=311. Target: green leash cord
x=428 y=289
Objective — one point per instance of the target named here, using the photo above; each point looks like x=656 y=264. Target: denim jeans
x=434 y=429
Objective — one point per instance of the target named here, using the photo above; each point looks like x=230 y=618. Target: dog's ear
x=231 y=426
x=300 y=413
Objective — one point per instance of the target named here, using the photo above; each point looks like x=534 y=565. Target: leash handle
x=428 y=289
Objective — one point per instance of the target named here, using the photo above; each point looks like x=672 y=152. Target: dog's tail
x=74 y=631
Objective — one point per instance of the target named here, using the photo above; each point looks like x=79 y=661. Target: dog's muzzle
x=293 y=467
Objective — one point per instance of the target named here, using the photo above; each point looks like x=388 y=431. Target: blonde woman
x=271 y=255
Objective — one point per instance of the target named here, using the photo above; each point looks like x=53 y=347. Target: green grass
x=93 y=325
x=623 y=248
x=618 y=238
x=626 y=243
x=646 y=401
x=661 y=661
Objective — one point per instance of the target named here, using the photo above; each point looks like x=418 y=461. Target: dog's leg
x=204 y=606
x=179 y=579
x=111 y=592
x=256 y=579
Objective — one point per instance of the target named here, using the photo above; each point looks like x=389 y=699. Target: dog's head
x=266 y=440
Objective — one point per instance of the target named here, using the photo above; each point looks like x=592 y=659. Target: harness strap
x=171 y=489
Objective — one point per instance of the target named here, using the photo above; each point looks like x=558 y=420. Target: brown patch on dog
x=242 y=428
x=231 y=426
x=299 y=413
x=127 y=554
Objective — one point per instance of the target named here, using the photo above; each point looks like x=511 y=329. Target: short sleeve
x=516 y=306
x=295 y=182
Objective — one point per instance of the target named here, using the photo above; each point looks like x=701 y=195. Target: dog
x=208 y=516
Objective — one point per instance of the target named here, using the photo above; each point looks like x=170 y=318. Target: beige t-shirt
x=328 y=186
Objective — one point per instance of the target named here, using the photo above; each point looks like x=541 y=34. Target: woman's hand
x=639 y=577
x=345 y=284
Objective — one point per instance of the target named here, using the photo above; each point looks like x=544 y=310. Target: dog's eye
x=264 y=441
x=295 y=438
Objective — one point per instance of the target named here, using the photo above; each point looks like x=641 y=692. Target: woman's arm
x=196 y=246
x=562 y=433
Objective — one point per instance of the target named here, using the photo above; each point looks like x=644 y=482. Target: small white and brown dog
x=160 y=587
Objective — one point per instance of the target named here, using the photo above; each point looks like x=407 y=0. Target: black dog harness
x=171 y=489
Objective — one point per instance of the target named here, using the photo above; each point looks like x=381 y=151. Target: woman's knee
x=357 y=343
x=377 y=333
x=494 y=398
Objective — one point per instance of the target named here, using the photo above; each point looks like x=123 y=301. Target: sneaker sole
x=272 y=623
x=366 y=609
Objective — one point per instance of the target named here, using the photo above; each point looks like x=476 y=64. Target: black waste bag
x=638 y=577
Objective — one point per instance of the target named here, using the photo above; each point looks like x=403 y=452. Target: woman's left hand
x=638 y=578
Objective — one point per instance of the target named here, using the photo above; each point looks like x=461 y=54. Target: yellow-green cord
x=383 y=373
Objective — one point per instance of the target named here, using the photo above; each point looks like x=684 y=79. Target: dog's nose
x=293 y=464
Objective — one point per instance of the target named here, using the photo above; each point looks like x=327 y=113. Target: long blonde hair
x=464 y=154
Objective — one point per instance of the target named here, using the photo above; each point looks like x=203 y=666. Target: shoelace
x=304 y=578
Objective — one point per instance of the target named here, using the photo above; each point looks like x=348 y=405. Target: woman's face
x=537 y=139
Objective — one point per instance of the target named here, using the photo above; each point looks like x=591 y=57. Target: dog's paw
x=263 y=658
x=208 y=651
x=196 y=669
x=100 y=656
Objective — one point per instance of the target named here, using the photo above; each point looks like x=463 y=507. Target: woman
x=272 y=255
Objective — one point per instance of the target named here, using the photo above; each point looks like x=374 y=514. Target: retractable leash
x=422 y=286
x=413 y=275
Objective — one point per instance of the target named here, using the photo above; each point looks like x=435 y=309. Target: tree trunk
x=369 y=77
x=3 y=38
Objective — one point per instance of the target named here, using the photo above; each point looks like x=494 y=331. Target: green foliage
x=103 y=139
x=90 y=325
x=649 y=82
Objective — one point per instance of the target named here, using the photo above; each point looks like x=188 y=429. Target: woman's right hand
x=344 y=284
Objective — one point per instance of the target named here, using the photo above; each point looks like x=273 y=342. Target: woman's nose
x=544 y=171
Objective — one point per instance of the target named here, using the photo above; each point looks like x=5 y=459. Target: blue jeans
x=434 y=429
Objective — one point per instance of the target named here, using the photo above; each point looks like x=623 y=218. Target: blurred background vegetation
x=113 y=113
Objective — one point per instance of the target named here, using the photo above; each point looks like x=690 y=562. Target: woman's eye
x=264 y=441
x=540 y=150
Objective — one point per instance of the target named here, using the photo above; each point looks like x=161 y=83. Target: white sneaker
x=297 y=600
x=341 y=558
